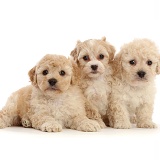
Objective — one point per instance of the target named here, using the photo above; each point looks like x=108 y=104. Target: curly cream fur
x=45 y=107
x=132 y=97
x=95 y=85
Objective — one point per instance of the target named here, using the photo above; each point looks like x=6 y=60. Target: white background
x=30 y=29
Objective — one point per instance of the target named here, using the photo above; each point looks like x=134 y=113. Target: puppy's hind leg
x=8 y=119
x=3 y=119
x=9 y=115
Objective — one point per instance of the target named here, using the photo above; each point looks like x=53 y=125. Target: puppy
x=51 y=102
x=133 y=87
x=92 y=58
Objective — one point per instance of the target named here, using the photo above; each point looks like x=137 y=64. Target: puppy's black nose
x=94 y=67
x=52 y=81
x=141 y=74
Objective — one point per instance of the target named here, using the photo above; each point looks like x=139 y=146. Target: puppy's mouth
x=53 y=88
x=143 y=80
x=140 y=81
x=94 y=72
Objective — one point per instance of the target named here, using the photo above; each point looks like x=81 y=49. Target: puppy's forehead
x=91 y=42
x=140 y=48
x=93 y=47
x=54 y=61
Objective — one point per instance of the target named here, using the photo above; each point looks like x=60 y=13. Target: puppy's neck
x=140 y=85
x=48 y=95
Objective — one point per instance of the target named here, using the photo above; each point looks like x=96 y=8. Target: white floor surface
x=25 y=143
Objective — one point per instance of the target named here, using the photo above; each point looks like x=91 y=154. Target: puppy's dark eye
x=101 y=56
x=45 y=72
x=132 y=62
x=86 y=58
x=62 y=73
x=149 y=62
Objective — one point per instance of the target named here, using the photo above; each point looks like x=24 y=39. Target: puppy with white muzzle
x=51 y=102
x=133 y=86
x=92 y=58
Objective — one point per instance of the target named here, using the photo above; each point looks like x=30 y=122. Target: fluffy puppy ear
x=32 y=76
x=158 y=66
x=103 y=39
x=111 y=50
x=76 y=73
x=117 y=65
x=75 y=52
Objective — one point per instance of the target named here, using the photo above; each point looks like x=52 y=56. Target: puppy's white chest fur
x=96 y=92
x=136 y=97
x=63 y=106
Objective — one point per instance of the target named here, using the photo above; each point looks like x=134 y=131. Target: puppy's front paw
x=2 y=124
x=147 y=124
x=51 y=127
x=101 y=123
x=89 y=126
x=26 y=123
x=122 y=125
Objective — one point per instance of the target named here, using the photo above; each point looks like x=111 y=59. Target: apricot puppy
x=133 y=88
x=51 y=102
x=92 y=58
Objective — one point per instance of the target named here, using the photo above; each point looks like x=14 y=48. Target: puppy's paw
x=101 y=123
x=51 y=127
x=122 y=125
x=26 y=123
x=2 y=124
x=147 y=124
x=89 y=126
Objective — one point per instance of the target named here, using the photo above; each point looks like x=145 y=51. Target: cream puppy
x=133 y=87
x=51 y=102
x=92 y=58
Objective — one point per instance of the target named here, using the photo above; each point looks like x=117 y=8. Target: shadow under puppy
x=51 y=102
x=133 y=86
x=92 y=58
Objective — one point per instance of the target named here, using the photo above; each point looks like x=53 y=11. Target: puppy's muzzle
x=94 y=67
x=52 y=81
x=141 y=74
